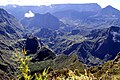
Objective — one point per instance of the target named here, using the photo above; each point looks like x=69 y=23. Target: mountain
x=109 y=11
x=42 y=21
x=61 y=44
x=89 y=20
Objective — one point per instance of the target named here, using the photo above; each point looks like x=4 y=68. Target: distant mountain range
x=82 y=16
x=15 y=9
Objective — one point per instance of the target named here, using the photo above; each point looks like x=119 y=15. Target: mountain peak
x=109 y=11
x=109 y=7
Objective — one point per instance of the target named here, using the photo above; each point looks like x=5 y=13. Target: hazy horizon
x=114 y=3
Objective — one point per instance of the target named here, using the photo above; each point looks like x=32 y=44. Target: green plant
x=23 y=65
x=24 y=71
x=43 y=75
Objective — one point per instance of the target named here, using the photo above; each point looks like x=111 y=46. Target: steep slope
x=42 y=21
x=57 y=40
x=10 y=29
x=7 y=65
x=109 y=11
x=9 y=25
x=101 y=44
x=109 y=70
x=59 y=63
x=108 y=45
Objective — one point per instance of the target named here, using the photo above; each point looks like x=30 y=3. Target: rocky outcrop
x=43 y=54
x=36 y=48
x=32 y=45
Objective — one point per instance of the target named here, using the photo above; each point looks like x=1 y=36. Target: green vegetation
x=61 y=68
x=107 y=71
x=47 y=73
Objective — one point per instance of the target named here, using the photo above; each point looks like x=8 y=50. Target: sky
x=102 y=3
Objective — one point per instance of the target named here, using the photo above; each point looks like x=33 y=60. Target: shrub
x=63 y=74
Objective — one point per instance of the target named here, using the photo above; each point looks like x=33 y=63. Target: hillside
x=9 y=25
x=109 y=70
x=10 y=29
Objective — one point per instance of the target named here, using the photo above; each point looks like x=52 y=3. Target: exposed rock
x=43 y=54
x=32 y=45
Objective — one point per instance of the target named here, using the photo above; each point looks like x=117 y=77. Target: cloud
x=29 y=14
